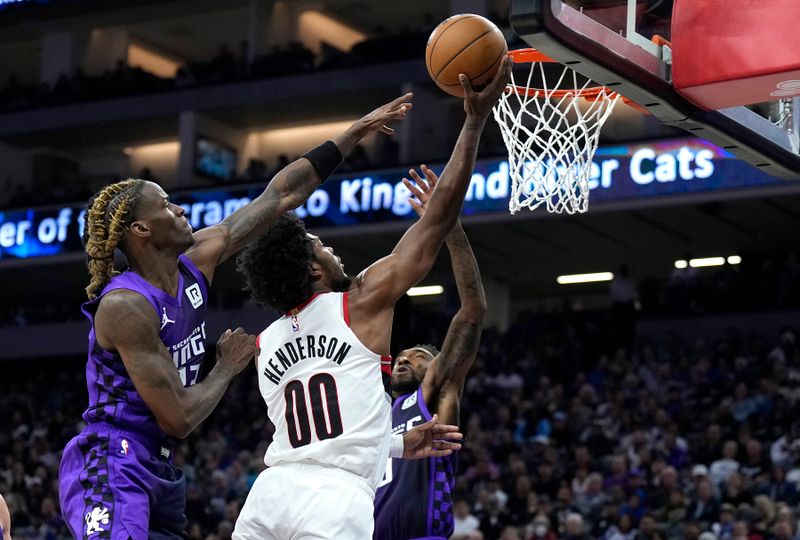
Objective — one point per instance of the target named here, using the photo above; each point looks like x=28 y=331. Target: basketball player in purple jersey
x=414 y=500
x=5 y=520
x=147 y=340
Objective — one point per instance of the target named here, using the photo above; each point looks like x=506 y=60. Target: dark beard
x=342 y=283
x=406 y=386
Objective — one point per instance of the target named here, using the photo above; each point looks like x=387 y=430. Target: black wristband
x=325 y=158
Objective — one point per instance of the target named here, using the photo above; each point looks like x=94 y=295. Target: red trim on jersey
x=346 y=307
x=297 y=309
x=386 y=365
x=258 y=340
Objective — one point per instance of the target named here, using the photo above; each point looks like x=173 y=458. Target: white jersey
x=324 y=391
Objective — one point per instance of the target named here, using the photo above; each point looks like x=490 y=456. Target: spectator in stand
x=622 y=530
x=755 y=466
x=765 y=515
x=741 y=531
x=705 y=507
x=723 y=528
x=592 y=499
x=648 y=527
x=778 y=489
x=541 y=530
x=574 y=527
x=783 y=530
x=743 y=405
x=722 y=468
x=710 y=448
x=466 y=525
x=735 y=492
x=510 y=533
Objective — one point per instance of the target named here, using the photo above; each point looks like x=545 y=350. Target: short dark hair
x=428 y=347
x=277 y=265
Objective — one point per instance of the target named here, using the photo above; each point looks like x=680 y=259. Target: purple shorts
x=118 y=485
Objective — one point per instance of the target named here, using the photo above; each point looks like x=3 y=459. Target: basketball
x=468 y=44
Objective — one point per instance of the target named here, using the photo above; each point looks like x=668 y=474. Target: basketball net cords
x=558 y=175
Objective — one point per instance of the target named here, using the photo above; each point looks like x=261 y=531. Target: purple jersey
x=112 y=397
x=414 y=500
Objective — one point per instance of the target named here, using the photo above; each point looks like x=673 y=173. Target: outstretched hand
x=479 y=104
x=421 y=190
x=377 y=119
x=431 y=439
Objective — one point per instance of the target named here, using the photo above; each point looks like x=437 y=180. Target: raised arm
x=287 y=190
x=444 y=380
x=383 y=283
x=126 y=323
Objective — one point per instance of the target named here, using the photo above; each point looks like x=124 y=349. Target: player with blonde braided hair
x=119 y=202
x=147 y=338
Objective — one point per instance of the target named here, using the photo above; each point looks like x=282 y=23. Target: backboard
x=612 y=42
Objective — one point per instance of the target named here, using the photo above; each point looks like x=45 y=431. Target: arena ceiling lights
x=708 y=261
x=427 y=290
x=571 y=279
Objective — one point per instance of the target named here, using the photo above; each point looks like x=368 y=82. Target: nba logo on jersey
x=123 y=447
x=295 y=324
x=409 y=402
x=194 y=295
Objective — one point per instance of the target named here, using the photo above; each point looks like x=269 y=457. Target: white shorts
x=304 y=502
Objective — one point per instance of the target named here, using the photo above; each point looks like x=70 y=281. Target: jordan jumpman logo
x=164 y=319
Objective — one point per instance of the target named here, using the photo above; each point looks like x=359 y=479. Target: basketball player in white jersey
x=320 y=365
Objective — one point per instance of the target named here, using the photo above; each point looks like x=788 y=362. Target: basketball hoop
x=551 y=135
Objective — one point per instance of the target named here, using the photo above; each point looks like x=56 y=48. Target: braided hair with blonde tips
x=108 y=215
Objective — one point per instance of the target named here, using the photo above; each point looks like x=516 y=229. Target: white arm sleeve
x=397 y=446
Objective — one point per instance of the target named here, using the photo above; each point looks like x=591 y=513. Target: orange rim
x=533 y=55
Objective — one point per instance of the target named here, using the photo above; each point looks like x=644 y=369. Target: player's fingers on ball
x=465 y=84
x=506 y=66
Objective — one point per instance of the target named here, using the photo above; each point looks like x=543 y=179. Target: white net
x=551 y=136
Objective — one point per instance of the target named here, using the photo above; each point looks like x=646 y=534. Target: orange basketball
x=468 y=44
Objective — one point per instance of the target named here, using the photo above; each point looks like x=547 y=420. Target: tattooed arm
x=126 y=323
x=286 y=191
x=444 y=381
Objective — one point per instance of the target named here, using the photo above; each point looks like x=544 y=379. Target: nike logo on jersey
x=165 y=320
